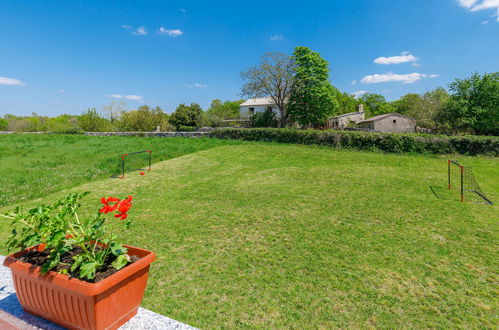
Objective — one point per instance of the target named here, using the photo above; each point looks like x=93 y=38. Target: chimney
x=360 y=108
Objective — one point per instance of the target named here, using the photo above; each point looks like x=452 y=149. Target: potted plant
x=73 y=271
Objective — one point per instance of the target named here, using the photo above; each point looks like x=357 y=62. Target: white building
x=342 y=121
x=260 y=104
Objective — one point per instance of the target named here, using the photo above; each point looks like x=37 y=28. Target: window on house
x=395 y=121
x=269 y=108
x=251 y=111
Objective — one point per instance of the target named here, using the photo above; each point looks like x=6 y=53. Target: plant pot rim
x=76 y=285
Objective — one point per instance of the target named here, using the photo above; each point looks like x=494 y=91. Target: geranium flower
x=107 y=207
x=123 y=207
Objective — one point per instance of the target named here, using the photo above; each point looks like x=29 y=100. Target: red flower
x=69 y=236
x=123 y=208
x=107 y=207
x=122 y=216
x=142 y=173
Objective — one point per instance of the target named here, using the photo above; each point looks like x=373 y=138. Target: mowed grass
x=33 y=165
x=267 y=236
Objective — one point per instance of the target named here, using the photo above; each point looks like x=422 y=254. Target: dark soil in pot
x=38 y=258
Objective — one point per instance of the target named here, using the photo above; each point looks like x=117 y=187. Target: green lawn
x=33 y=165
x=267 y=235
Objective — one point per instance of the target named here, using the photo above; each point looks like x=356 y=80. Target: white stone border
x=11 y=312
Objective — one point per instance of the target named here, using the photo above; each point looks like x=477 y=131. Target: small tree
x=4 y=124
x=264 y=119
x=144 y=119
x=186 y=115
x=473 y=105
x=219 y=111
x=274 y=77
x=313 y=98
x=92 y=121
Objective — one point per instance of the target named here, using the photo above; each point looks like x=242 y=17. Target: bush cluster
x=386 y=142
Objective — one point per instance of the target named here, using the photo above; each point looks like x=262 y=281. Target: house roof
x=258 y=101
x=386 y=115
x=347 y=114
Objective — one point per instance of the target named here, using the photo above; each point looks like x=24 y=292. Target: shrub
x=4 y=124
x=186 y=115
x=264 y=119
x=144 y=119
x=72 y=130
x=92 y=121
x=186 y=129
x=386 y=142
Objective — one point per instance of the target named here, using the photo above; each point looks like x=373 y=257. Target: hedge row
x=386 y=142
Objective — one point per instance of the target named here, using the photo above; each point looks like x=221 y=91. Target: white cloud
x=408 y=78
x=197 y=85
x=354 y=82
x=127 y=97
x=358 y=94
x=141 y=31
x=485 y=22
x=476 y=5
x=171 y=33
x=11 y=81
x=276 y=37
x=62 y=90
x=404 y=57
x=182 y=10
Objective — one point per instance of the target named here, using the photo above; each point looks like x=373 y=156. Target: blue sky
x=65 y=56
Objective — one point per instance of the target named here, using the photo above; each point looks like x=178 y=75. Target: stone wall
x=150 y=134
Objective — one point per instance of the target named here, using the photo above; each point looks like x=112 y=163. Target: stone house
x=390 y=122
x=342 y=121
x=256 y=105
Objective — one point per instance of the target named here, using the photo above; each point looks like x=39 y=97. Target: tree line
x=300 y=87
x=114 y=117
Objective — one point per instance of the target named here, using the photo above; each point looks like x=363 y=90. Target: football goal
x=135 y=161
x=461 y=178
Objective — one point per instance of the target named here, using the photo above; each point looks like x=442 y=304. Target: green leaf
x=77 y=262
x=117 y=249
x=88 y=269
x=121 y=261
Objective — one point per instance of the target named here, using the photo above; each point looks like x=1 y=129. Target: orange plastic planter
x=77 y=304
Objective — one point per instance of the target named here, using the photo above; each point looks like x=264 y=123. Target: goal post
x=124 y=159
x=449 y=176
x=466 y=183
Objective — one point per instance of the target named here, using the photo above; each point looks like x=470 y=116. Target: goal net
x=135 y=161
x=461 y=178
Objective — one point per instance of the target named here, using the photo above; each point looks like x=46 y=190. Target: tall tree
x=274 y=78
x=346 y=102
x=375 y=104
x=313 y=99
x=473 y=105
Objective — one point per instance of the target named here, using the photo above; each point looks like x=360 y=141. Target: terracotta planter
x=77 y=304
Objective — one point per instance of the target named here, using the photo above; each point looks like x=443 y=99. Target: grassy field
x=33 y=165
x=266 y=235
